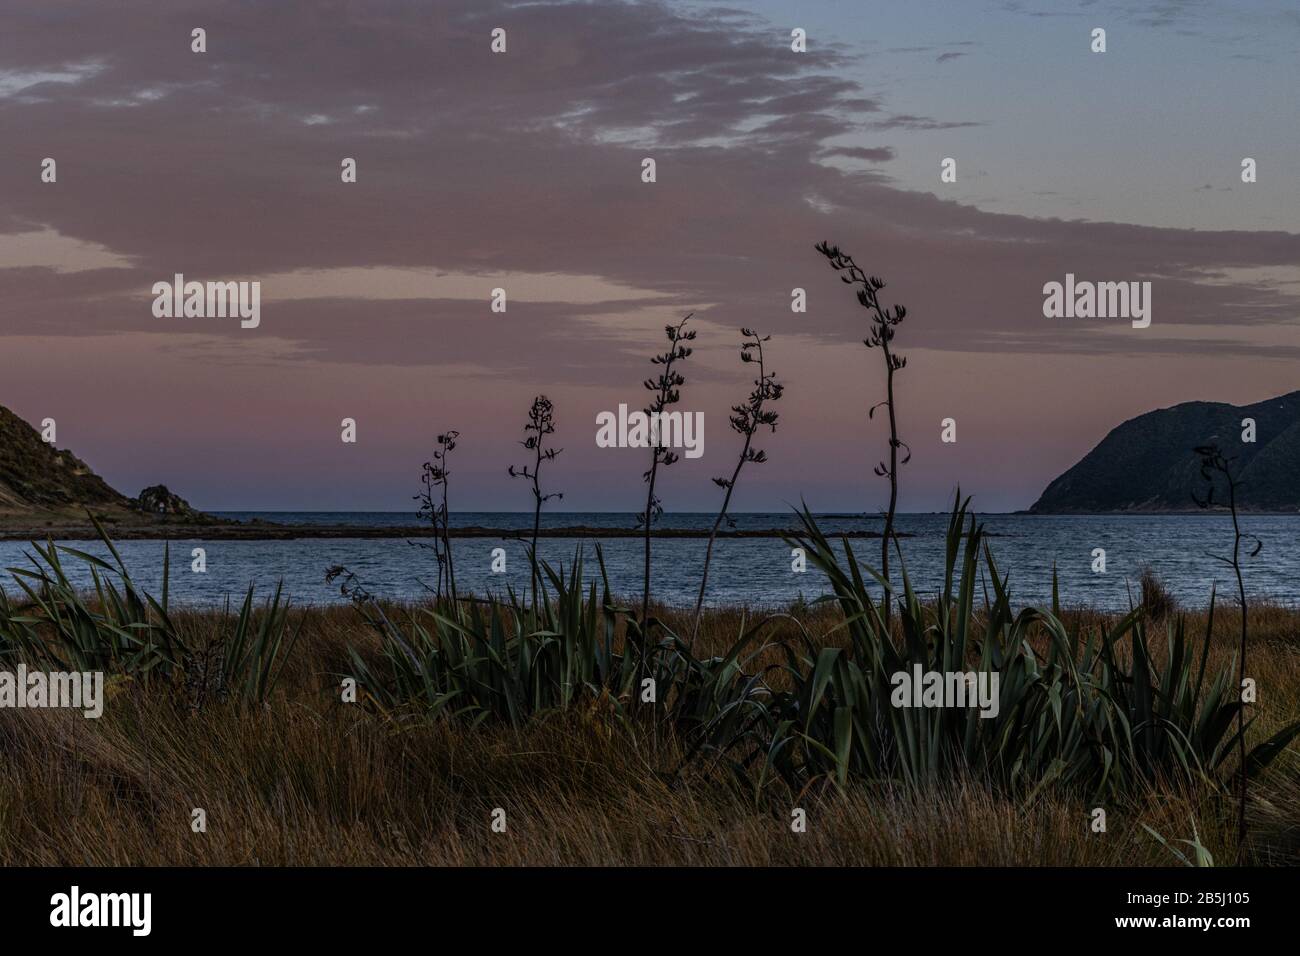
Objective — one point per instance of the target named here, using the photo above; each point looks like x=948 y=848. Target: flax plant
x=541 y=422
x=746 y=420
x=664 y=391
x=1213 y=462
x=433 y=508
x=120 y=629
x=883 y=324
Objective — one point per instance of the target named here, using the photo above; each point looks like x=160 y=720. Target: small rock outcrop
x=42 y=486
x=157 y=500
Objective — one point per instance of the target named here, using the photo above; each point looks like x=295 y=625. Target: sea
x=757 y=572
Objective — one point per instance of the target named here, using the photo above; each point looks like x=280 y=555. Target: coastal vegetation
x=746 y=419
x=884 y=326
x=463 y=707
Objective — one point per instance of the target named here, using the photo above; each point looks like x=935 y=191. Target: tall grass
x=122 y=630
x=508 y=660
x=1105 y=711
x=475 y=705
x=1101 y=714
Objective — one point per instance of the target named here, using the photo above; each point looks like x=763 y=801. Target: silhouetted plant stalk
x=433 y=508
x=745 y=421
x=541 y=422
x=364 y=600
x=883 y=324
x=1214 y=462
x=665 y=390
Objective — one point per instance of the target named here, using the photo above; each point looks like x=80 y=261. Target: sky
x=522 y=170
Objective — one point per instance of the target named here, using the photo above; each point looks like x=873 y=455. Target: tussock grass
x=306 y=780
x=466 y=708
x=1156 y=598
x=291 y=786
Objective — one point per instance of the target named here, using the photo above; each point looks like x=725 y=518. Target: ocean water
x=754 y=571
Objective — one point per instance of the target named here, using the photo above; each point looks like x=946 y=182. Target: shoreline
x=62 y=527
x=279 y=532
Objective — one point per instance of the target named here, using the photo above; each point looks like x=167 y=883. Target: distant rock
x=41 y=485
x=1148 y=463
x=157 y=500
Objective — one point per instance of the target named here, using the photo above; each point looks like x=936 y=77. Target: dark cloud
x=1016 y=6
x=226 y=164
x=872 y=154
x=907 y=121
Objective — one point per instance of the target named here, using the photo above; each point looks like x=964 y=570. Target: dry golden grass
x=309 y=780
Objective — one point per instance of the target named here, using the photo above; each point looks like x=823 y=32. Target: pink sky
x=522 y=171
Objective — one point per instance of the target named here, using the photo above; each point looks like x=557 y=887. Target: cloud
x=872 y=154
x=32 y=81
x=49 y=249
x=380 y=282
x=525 y=165
x=523 y=170
x=907 y=121
x=528 y=164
